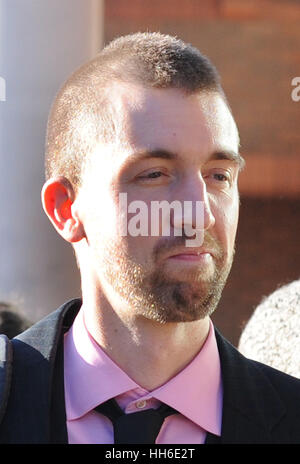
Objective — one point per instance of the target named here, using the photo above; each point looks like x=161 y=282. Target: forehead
x=167 y=119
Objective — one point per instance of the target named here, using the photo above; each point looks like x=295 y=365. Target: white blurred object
x=272 y=335
x=41 y=43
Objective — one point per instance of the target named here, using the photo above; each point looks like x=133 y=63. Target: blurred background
x=255 y=44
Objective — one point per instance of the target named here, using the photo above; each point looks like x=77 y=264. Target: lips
x=190 y=257
x=190 y=254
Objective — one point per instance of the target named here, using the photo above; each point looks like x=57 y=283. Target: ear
x=58 y=199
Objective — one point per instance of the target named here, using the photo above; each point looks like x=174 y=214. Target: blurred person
x=12 y=323
x=272 y=334
x=137 y=358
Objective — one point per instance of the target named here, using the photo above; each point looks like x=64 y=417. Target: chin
x=181 y=302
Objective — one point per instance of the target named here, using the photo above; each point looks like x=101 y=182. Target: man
x=147 y=119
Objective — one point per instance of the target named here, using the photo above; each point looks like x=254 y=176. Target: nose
x=196 y=209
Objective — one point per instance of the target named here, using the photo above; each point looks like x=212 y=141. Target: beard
x=154 y=293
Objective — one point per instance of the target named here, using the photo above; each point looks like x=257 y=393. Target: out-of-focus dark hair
x=11 y=321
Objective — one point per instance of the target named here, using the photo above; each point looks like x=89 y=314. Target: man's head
x=146 y=118
x=84 y=112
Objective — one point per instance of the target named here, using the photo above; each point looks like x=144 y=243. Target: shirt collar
x=200 y=388
x=195 y=392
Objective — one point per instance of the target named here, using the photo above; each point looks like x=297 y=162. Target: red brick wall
x=267 y=256
x=255 y=44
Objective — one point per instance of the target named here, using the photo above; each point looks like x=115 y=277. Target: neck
x=149 y=352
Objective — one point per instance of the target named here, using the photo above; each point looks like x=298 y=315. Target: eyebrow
x=168 y=155
x=230 y=156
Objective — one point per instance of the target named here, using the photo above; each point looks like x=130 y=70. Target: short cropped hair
x=80 y=115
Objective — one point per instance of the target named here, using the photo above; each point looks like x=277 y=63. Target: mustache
x=210 y=243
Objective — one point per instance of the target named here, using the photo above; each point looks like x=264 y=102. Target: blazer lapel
x=251 y=406
x=38 y=363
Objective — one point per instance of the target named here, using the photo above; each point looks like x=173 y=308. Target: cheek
x=140 y=249
x=231 y=222
x=99 y=216
x=226 y=216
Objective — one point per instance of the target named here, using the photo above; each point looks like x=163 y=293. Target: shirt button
x=141 y=404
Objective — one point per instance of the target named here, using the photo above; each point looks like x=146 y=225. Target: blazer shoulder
x=43 y=336
x=249 y=368
x=285 y=384
x=247 y=382
x=266 y=396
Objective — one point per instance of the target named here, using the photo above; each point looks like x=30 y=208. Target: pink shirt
x=91 y=378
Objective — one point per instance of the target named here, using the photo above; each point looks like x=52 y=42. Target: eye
x=151 y=175
x=221 y=177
